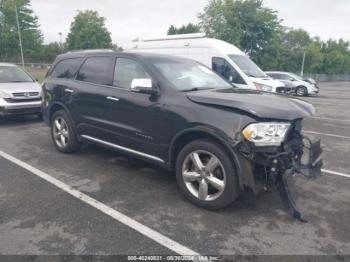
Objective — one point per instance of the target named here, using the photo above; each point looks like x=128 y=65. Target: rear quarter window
x=96 y=70
x=66 y=68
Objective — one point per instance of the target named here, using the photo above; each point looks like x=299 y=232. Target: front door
x=223 y=68
x=132 y=116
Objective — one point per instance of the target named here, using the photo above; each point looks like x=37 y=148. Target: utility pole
x=61 y=45
x=19 y=34
x=303 y=64
x=2 y=30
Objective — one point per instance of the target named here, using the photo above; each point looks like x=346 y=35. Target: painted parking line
x=142 y=229
x=331 y=119
x=335 y=173
x=325 y=134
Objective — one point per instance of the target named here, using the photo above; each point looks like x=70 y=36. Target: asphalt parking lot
x=37 y=217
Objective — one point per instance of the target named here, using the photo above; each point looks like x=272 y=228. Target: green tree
x=244 y=23
x=49 y=52
x=29 y=26
x=336 y=57
x=88 y=31
x=185 y=29
x=293 y=44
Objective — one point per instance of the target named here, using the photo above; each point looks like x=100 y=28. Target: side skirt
x=122 y=148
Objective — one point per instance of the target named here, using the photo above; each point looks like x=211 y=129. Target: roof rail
x=91 y=51
x=172 y=37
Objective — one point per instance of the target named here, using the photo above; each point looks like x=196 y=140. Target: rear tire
x=301 y=91
x=212 y=186
x=63 y=134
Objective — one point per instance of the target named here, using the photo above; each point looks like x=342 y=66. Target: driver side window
x=127 y=70
x=223 y=68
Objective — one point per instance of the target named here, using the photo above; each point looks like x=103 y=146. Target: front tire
x=206 y=175
x=301 y=91
x=63 y=134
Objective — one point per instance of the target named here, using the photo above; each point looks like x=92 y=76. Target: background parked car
x=20 y=94
x=297 y=84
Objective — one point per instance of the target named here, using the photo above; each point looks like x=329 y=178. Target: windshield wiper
x=196 y=89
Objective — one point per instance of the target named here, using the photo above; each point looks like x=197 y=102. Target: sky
x=129 y=19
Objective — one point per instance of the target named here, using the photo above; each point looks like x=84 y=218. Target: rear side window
x=223 y=68
x=66 y=68
x=96 y=70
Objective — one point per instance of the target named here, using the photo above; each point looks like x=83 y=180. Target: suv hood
x=259 y=104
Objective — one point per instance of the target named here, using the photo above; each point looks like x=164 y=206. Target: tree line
x=248 y=24
x=87 y=31
x=258 y=31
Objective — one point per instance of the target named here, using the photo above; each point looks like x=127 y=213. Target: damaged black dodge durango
x=180 y=115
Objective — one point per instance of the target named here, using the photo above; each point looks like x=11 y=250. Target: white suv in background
x=300 y=86
x=20 y=94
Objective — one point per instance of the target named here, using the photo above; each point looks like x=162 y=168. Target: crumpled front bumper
x=264 y=167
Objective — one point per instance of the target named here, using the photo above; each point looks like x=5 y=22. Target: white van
x=224 y=58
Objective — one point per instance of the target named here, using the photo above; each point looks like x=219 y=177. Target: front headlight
x=266 y=134
x=262 y=87
x=4 y=95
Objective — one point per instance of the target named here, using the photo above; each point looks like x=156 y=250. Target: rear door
x=60 y=83
x=93 y=80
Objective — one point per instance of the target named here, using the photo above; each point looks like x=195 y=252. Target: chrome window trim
x=123 y=148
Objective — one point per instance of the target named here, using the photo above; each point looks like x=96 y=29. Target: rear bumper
x=21 y=108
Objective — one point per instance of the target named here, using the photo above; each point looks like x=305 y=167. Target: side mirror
x=230 y=79
x=142 y=85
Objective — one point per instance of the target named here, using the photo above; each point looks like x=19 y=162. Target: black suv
x=180 y=115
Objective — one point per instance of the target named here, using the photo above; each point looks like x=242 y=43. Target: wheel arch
x=302 y=86
x=57 y=106
x=192 y=134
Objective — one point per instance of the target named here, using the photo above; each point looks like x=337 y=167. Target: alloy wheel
x=204 y=175
x=301 y=91
x=60 y=132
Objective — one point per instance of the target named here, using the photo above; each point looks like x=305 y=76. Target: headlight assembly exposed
x=266 y=134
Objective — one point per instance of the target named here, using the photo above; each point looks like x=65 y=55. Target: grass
x=37 y=73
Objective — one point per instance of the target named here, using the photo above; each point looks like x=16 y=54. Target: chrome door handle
x=112 y=98
x=69 y=90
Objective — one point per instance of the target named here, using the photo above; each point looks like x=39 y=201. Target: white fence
x=35 y=65
x=328 y=78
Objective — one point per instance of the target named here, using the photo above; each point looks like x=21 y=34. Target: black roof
x=84 y=53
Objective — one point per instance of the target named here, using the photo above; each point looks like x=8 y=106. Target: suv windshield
x=188 y=75
x=10 y=74
x=247 y=66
